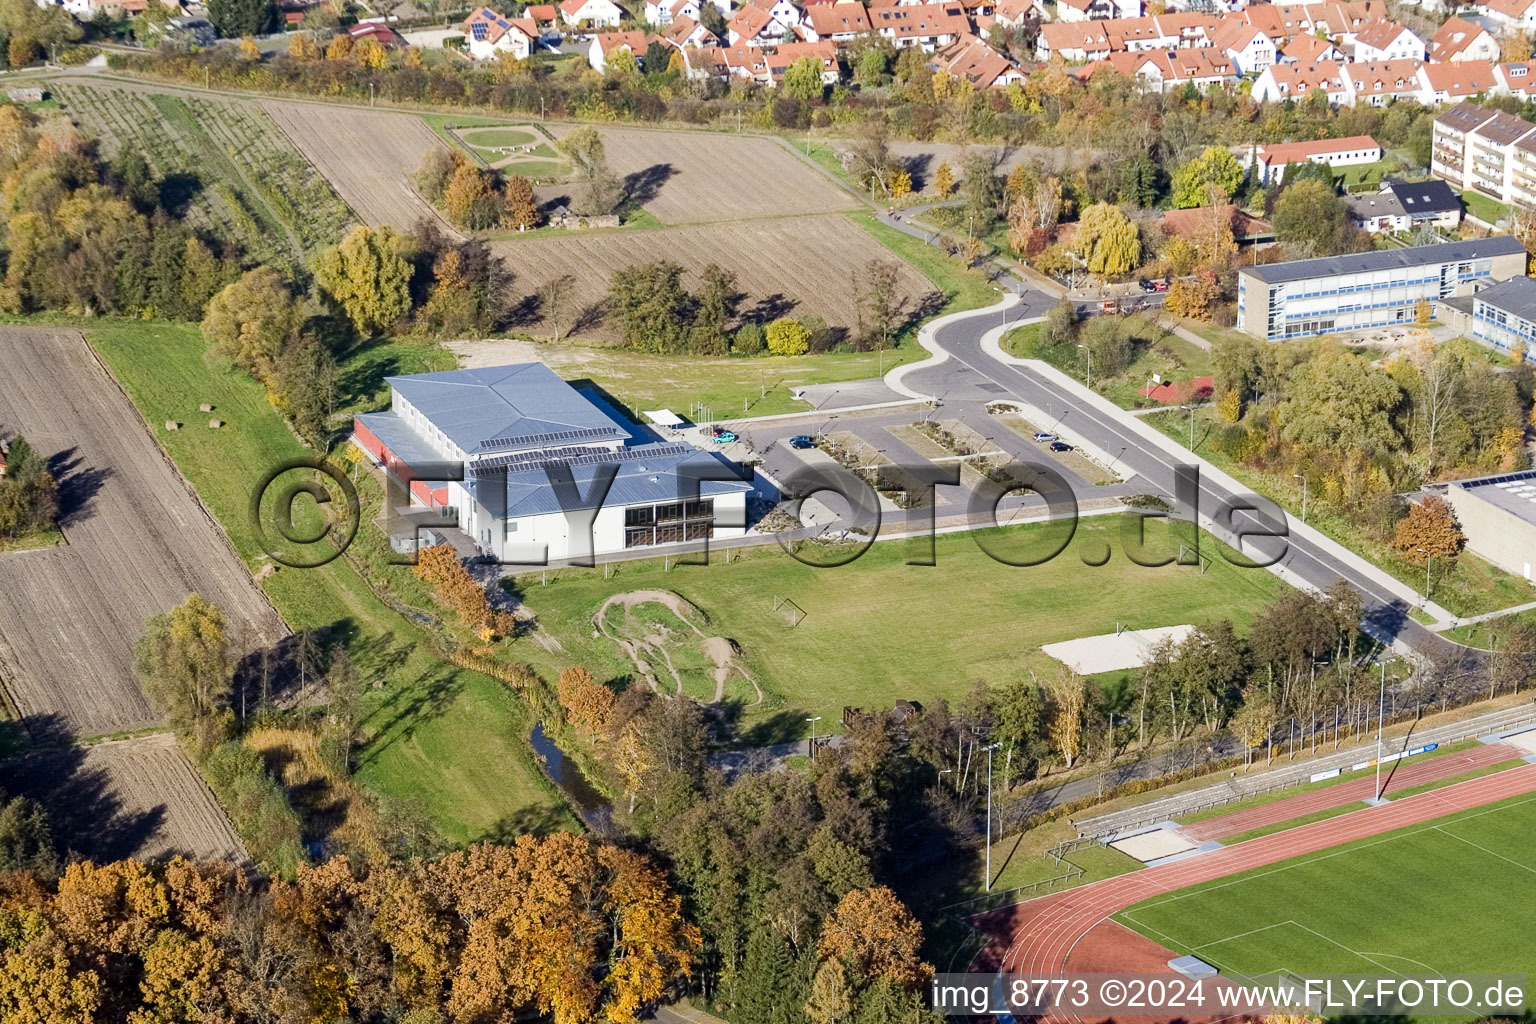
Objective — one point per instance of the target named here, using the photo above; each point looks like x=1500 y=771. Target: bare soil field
x=693 y=177
x=137 y=542
x=368 y=156
x=789 y=267
x=130 y=798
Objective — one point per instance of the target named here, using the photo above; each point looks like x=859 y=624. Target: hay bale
x=172 y=425
x=215 y=424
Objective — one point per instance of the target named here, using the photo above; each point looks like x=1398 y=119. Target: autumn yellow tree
x=587 y=703
x=368 y=275
x=1429 y=530
x=302 y=47
x=944 y=180
x=874 y=934
x=468 y=197
x=339 y=48
x=521 y=210
x=1107 y=240
x=1068 y=693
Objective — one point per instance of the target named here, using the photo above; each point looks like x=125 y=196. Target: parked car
x=802 y=441
x=1146 y=286
x=1042 y=436
x=1160 y=286
x=720 y=435
x=1060 y=446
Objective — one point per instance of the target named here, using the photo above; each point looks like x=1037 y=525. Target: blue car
x=802 y=441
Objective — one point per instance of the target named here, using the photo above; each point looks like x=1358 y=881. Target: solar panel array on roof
x=538 y=460
x=477 y=30
x=497 y=443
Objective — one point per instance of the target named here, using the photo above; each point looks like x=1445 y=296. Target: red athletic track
x=1045 y=932
x=1397 y=776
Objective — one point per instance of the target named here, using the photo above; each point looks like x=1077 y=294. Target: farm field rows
x=246 y=179
x=450 y=739
x=368 y=156
x=693 y=177
x=137 y=544
x=128 y=798
x=791 y=266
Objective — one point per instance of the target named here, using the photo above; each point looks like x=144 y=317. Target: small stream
x=593 y=807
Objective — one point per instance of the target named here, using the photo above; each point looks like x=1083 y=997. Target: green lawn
x=878 y=630
x=492 y=138
x=1158 y=352
x=451 y=737
x=1483 y=208
x=1439 y=897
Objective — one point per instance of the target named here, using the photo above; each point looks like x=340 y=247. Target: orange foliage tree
x=587 y=703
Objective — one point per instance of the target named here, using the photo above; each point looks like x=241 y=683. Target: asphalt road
x=971 y=376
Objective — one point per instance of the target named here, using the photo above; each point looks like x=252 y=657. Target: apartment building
x=1366 y=290
x=1491 y=152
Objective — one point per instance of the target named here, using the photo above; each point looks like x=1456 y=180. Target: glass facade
x=670 y=523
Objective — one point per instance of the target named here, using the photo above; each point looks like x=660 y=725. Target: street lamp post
x=1427 y=558
x=813 y=722
x=1380 y=708
x=990 y=748
x=1089 y=352
x=1303 y=480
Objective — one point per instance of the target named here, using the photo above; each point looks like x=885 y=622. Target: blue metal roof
x=646 y=474
x=506 y=408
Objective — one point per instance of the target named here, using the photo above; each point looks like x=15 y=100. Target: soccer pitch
x=1444 y=897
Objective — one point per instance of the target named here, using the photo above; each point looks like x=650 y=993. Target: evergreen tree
x=237 y=18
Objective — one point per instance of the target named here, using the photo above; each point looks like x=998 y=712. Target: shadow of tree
x=77 y=485
x=644 y=185
x=87 y=817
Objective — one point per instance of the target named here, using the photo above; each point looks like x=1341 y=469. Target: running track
x=1398 y=777
x=1043 y=945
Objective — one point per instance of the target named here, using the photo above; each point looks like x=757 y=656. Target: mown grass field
x=878 y=630
x=451 y=740
x=1438 y=898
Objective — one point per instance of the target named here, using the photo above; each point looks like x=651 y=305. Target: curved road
x=966 y=370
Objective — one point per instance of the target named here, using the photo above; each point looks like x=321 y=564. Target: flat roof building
x=1504 y=315
x=1498 y=518
x=1364 y=290
x=540 y=462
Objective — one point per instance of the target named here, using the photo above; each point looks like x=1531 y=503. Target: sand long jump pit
x=1111 y=652
x=1154 y=845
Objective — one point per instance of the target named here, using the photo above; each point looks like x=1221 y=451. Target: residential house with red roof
x=545 y=16
x=1517 y=14
x=824 y=52
x=838 y=22
x=754 y=26
x=926 y=26
x=591 y=13
x=1096 y=10
x=1310 y=50
x=684 y=31
x=1074 y=42
x=1009 y=13
x=489 y=34
x=1386 y=40
x=1293 y=81
x=1452 y=83
x=1270 y=162
x=606 y=44
x=972 y=59
x=1247 y=46
x=1382 y=81
x=1461 y=40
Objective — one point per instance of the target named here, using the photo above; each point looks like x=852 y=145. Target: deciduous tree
x=368 y=276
